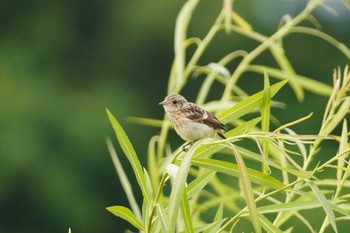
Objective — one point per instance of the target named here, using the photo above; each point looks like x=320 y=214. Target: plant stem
x=284 y=30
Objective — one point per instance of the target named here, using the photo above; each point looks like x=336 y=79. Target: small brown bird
x=190 y=121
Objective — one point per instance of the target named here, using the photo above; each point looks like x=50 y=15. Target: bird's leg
x=188 y=145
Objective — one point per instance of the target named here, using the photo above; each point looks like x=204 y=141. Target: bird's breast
x=190 y=130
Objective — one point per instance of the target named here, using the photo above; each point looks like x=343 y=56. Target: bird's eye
x=174 y=101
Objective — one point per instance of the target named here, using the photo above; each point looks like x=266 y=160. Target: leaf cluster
x=278 y=181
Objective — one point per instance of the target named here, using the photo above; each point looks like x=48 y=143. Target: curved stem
x=283 y=31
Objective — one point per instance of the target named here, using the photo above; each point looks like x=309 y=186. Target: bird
x=190 y=121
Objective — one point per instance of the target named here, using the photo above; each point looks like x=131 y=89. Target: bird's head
x=173 y=102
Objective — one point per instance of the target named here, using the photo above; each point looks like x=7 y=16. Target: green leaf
x=243 y=127
x=148 y=184
x=266 y=105
x=343 y=147
x=308 y=84
x=247 y=191
x=265 y=119
x=162 y=217
x=337 y=207
x=204 y=152
x=289 y=207
x=131 y=155
x=287 y=68
x=124 y=180
x=217 y=220
x=186 y=213
x=152 y=162
x=199 y=183
x=214 y=226
x=249 y=104
x=270 y=162
x=268 y=226
x=340 y=46
x=145 y=212
x=338 y=117
x=177 y=81
x=126 y=214
x=146 y=121
x=325 y=205
x=178 y=188
x=232 y=170
x=219 y=213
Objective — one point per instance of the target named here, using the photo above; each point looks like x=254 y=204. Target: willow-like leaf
x=126 y=214
x=217 y=220
x=232 y=170
x=325 y=204
x=268 y=226
x=270 y=162
x=265 y=119
x=145 y=121
x=131 y=155
x=178 y=188
x=308 y=84
x=186 y=213
x=162 y=217
x=199 y=183
x=182 y=23
x=344 y=145
x=249 y=104
x=124 y=180
x=341 y=46
x=280 y=57
x=247 y=191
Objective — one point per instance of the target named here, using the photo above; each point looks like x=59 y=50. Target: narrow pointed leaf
x=268 y=226
x=325 y=205
x=218 y=219
x=232 y=170
x=219 y=213
x=186 y=213
x=124 y=180
x=248 y=192
x=130 y=154
x=265 y=118
x=270 y=162
x=244 y=127
x=126 y=214
x=308 y=84
x=343 y=146
x=214 y=227
x=266 y=105
x=146 y=121
x=162 y=218
x=249 y=104
x=178 y=188
x=289 y=207
x=287 y=68
x=199 y=183
x=182 y=23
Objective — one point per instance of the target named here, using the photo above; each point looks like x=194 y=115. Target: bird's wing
x=198 y=114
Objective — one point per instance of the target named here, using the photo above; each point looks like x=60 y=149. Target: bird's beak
x=162 y=103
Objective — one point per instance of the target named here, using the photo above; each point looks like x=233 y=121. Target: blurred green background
x=63 y=62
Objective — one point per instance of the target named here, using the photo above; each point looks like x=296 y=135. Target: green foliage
x=272 y=198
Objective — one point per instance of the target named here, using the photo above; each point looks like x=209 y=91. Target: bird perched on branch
x=190 y=121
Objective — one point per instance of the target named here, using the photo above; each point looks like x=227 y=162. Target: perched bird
x=190 y=121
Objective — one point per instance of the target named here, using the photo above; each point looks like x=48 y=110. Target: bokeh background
x=63 y=62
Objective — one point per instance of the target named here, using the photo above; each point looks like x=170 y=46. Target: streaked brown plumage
x=190 y=121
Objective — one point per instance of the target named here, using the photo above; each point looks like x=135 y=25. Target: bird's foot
x=188 y=145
